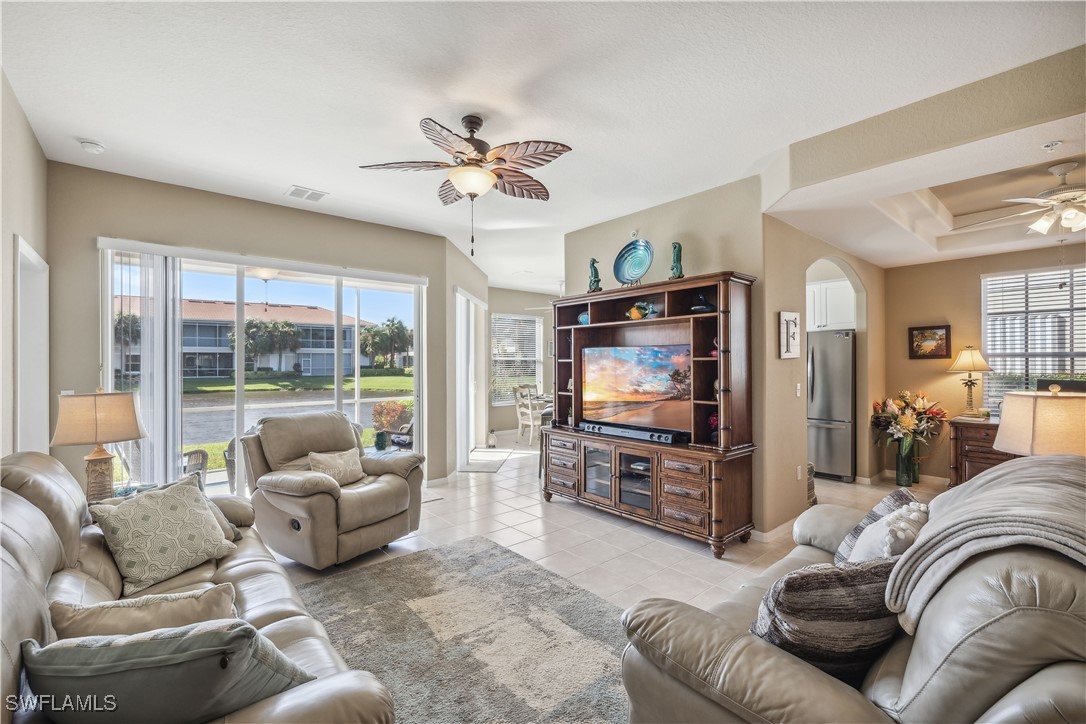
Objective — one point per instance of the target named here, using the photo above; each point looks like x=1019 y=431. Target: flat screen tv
x=637 y=386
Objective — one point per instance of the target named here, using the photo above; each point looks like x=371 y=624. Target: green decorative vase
x=380 y=440
x=906 y=469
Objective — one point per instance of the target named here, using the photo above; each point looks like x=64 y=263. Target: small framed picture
x=929 y=342
x=789 y=335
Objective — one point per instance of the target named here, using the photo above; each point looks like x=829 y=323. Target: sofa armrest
x=238 y=510
x=398 y=463
x=349 y=696
x=302 y=483
x=721 y=660
x=825 y=525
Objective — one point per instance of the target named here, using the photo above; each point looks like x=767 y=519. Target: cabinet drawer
x=986 y=451
x=562 y=443
x=686 y=467
x=560 y=462
x=556 y=480
x=682 y=491
x=692 y=520
x=979 y=435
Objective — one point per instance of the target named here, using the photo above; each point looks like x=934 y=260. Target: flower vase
x=906 y=468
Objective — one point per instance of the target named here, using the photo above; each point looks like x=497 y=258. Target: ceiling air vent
x=301 y=192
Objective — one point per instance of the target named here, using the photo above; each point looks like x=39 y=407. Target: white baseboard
x=890 y=475
x=862 y=480
x=784 y=530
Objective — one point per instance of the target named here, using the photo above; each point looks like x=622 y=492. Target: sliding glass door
x=212 y=348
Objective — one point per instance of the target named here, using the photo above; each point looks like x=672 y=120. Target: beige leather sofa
x=308 y=516
x=52 y=552
x=1002 y=641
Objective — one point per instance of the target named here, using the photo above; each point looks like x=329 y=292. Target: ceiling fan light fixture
x=472 y=180
x=1043 y=224
x=1072 y=217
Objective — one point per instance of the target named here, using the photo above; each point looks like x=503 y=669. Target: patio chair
x=402 y=439
x=195 y=461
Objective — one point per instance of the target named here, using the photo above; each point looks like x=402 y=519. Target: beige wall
x=947 y=293
x=510 y=301
x=23 y=187
x=1046 y=90
x=789 y=252
x=84 y=204
x=720 y=230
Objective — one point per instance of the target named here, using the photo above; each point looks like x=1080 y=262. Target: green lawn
x=377 y=386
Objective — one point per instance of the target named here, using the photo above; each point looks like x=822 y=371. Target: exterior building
x=207 y=351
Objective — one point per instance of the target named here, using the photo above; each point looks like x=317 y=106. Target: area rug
x=472 y=632
x=486 y=460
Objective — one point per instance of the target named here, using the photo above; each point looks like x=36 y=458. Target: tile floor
x=617 y=559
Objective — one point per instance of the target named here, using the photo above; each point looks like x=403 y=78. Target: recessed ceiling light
x=1051 y=146
x=92 y=147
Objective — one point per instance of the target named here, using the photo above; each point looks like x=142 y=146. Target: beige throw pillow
x=143 y=613
x=159 y=534
x=343 y=467
x=229 y=530
x=890 y=535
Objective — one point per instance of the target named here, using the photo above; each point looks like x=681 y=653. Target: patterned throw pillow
x=832 y=617
x=193 y=673
x=142 y=613
x=229 y=530
x=890 y=535
x=343 y=467
x=893 y=501
x=156 y=535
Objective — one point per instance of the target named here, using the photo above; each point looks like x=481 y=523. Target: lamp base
x=99 y=475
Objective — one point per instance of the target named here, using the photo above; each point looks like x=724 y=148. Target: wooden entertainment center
x=701 y=489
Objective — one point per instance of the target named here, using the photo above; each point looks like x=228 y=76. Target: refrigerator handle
x=810 y=373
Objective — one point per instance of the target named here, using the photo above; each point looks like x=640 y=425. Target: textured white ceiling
x=658 y=100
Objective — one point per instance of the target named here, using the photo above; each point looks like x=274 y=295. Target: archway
x=837 y=370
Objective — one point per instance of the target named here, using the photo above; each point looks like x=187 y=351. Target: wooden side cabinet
x=971 y=451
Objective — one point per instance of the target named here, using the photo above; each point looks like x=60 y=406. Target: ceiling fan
x=1065 y=203
x=477 y=167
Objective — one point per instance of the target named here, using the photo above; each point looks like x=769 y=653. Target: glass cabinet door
x=635 y=481
x=597 y=472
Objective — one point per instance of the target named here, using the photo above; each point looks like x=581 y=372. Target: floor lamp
x=96 y=419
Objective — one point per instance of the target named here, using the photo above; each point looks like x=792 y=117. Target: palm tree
x=258 y=338
x=283 y=337
x=373 y=341
x=398 y=338
x=126 y=333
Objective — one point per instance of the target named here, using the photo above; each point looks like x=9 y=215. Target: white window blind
x=516 y=358
x=1034 y=328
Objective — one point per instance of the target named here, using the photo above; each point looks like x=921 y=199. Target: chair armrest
x=825 y=526
x=238 y=510
x=349 y=696
x=395 y=463
x=302 y=483
x=721 y=660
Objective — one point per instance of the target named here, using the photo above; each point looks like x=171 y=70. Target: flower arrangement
x=907 y=418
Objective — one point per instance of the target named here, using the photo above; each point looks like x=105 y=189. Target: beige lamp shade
x=969 y=360
x=1042 y=423
x=97 y=418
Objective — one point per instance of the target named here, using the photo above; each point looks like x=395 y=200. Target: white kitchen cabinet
x=831 y=305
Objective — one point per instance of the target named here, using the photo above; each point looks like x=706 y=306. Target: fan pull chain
x=471 y=197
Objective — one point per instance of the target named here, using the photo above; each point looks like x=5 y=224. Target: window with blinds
x=516 y=355
x=1034 y=328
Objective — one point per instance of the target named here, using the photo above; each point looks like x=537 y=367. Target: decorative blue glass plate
x=633 y=261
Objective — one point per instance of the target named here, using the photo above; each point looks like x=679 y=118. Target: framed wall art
x=929 y=342
x=789 y=335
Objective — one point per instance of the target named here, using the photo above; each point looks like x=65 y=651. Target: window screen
x=1034 y=328
x=516 y=358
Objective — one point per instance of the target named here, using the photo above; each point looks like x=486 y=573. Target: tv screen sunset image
x=644 y=386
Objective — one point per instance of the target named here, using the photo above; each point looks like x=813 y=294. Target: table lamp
x=93 y=419
x=1042 y=423
x=969 y=360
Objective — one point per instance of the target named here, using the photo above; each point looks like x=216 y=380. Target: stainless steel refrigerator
x=831 y=403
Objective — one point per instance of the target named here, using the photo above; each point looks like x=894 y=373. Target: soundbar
x=666 y=437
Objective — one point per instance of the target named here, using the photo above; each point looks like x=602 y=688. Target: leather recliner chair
x=308 y=516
